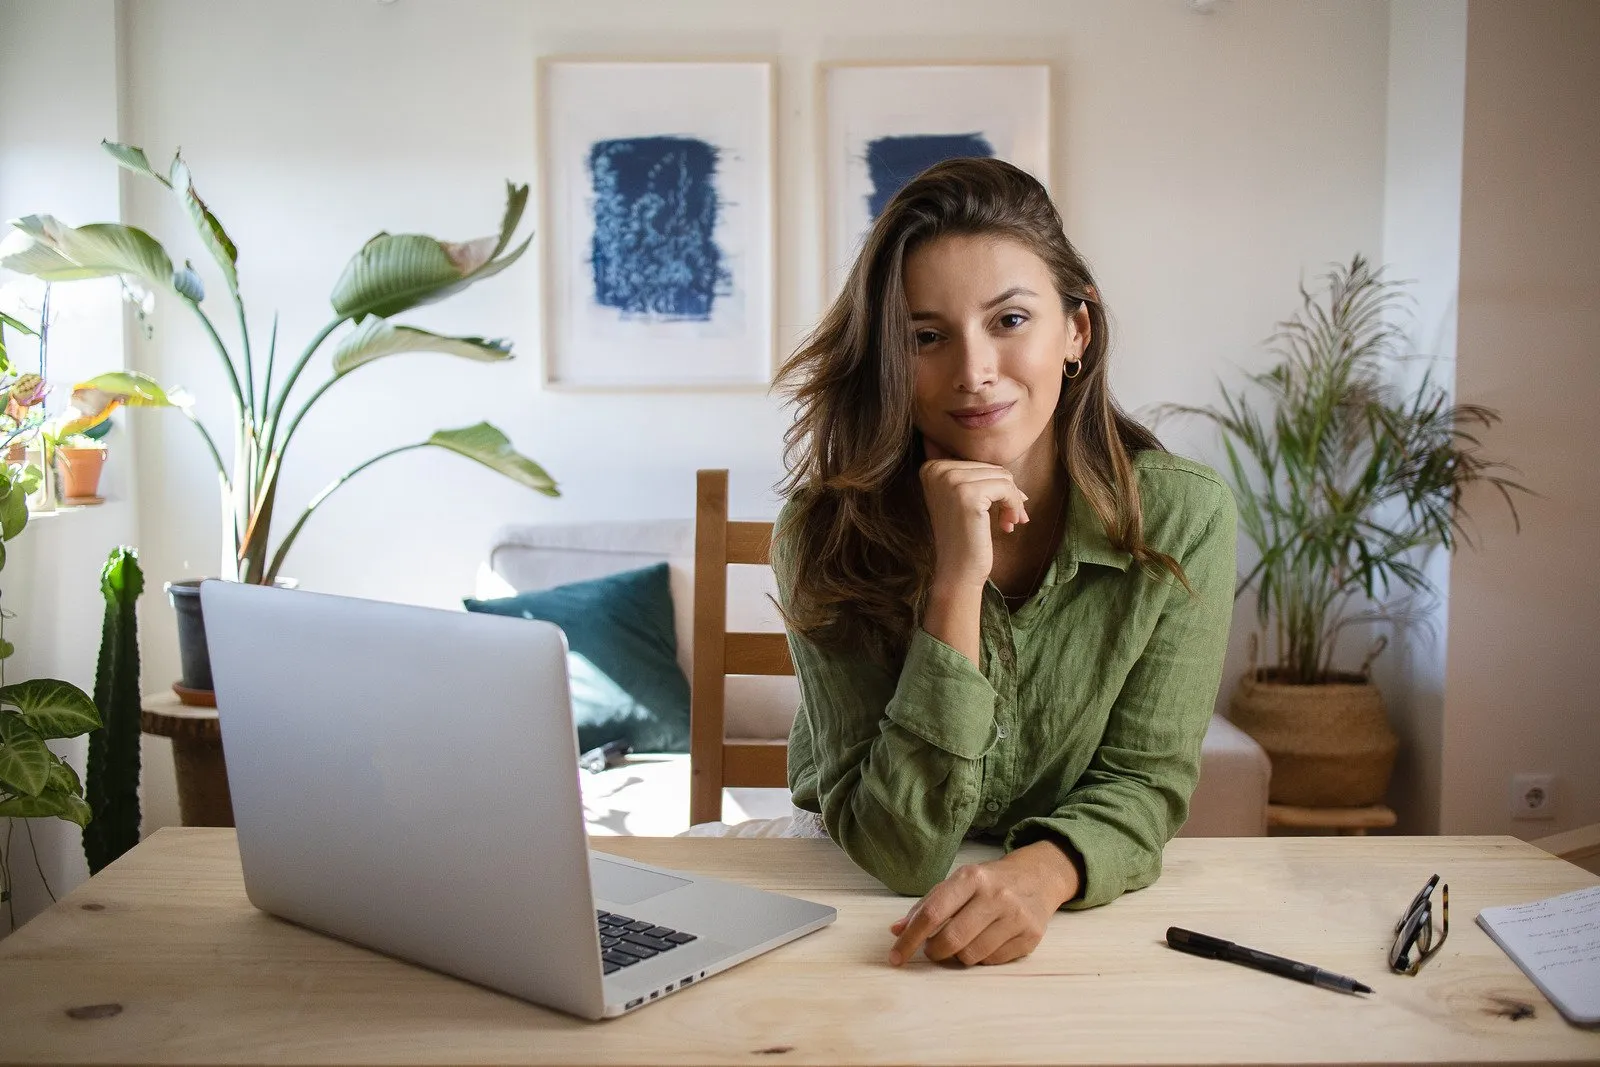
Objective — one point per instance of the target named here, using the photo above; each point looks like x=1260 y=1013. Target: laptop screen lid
x=396 y=775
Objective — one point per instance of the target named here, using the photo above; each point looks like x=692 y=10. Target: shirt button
x=999 y=731
x=993 y=805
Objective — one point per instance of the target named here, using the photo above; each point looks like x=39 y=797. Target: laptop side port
x=686 y=979
x=634 y=1003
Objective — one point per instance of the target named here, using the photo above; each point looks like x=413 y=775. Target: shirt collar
x=1085 y=541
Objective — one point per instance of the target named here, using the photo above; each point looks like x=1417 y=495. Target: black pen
x=1214 y=948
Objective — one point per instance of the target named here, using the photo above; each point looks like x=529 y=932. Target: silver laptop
x=407 y=779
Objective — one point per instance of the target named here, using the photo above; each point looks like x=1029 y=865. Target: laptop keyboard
x=625 y=941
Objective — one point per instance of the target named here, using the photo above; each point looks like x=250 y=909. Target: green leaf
x=64 y=778
x=395 y=272
x=97 y=398
x=7 y=649
x=77 y=810
x=516 y=202
x=52 y=707
x=133 y=158
x=24 y=757
x=378 y=337
x=23 y=254
x=20 y=327
x=13 y=514
x=181 y=181
x=134 y=389
x=215 y=238
x=47 y=248
x=50 y=802
x=6 y=367
x=489 y=446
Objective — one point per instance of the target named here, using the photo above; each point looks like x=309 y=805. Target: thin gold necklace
x=1044 y=564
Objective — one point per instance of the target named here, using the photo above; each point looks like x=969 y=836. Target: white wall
x=1422 y=246
x=1522 y=678
x=1204 y=163
x=58 y=97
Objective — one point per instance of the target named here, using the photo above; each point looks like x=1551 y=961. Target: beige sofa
x=650 y=796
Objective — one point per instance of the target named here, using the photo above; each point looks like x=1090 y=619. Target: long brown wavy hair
x=858 y=526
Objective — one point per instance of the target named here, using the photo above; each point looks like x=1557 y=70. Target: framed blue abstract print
x=883 y=123
x=657 y=192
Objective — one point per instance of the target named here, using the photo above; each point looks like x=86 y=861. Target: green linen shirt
x=1084 y=722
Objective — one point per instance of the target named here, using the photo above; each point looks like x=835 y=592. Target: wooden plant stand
x=203 y=798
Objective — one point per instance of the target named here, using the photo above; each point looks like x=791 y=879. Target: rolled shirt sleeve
x=895 y=757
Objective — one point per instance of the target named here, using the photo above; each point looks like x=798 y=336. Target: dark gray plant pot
x=192 y=652
x=193 y=656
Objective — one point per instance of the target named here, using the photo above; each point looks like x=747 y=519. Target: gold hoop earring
x=1077 y=364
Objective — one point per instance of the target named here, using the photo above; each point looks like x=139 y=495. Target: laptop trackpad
x=618 y=883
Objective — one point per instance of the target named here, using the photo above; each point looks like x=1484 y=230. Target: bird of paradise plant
x=391 y=274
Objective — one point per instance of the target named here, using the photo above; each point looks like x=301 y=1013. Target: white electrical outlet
x=1533 y=796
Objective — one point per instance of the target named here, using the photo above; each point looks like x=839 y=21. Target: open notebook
x=1556 y=942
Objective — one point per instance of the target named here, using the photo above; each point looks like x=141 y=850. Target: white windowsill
x=63 y=509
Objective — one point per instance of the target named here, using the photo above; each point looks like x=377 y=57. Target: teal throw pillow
x=623 y=656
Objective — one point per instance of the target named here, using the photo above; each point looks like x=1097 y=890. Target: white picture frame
x=863 y=107
x=657 y=195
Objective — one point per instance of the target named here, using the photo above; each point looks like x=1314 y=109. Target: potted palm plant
x=1344 y=484
x=389 y=275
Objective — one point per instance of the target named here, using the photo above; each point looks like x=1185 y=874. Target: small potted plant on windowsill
x=79 y=461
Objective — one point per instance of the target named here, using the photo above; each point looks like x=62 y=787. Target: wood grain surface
x=161 y=959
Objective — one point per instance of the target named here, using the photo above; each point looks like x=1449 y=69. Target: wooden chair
x=715 y=762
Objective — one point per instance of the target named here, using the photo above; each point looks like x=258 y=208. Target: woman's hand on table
x=988 y=913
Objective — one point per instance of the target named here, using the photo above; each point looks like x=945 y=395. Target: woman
x=1007 y=606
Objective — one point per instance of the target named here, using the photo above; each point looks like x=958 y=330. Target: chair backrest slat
x=750 y=542
x=714 y=763
x=757 y=654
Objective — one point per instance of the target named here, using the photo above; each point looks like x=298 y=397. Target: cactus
x=113 y=778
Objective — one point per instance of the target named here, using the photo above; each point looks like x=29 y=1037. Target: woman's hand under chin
x=988 y=913
x=963 y=497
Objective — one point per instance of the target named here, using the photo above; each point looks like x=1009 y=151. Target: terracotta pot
x=1331 y=745
x=80 y=472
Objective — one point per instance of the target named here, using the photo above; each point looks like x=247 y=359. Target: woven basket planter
x=1330 y=744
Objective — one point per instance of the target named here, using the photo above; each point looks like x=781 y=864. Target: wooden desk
x=160 y=959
